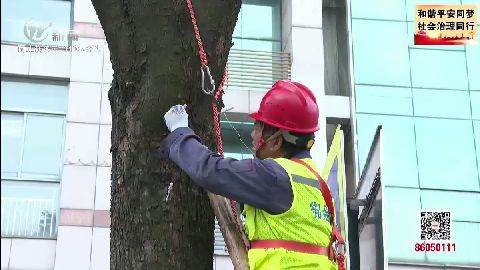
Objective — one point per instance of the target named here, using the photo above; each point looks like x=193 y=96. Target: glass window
x=438 y=69
x=238 y=156
x=232 y=142
x=466 y=238
x=27 y=21
x=29 y=209
x=476 y=127
x=441 y=103
x=387 y=100
x=378 y=60
x=399 y=161
x=412 y=27
x=257 y=45
x=43 y=146
x=446 y=155
x=34 y=96
x=34 y=136
x=32 y=148
x=258 y=26
x=460 y=203
x=475 y=101
x=12 y=139
x=473 y=65
x=411 y=5
x=237 y=31
x=402 y=215
x=261 y=20
x=385 y=10
x=33 y=119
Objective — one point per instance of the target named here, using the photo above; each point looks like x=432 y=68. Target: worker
x=286 y=218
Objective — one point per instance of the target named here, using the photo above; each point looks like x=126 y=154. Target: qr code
x=435 y=225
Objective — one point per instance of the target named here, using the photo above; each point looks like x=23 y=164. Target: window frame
x=55 y=210
x=19 y=176
x=33 y=179
x=272 y=40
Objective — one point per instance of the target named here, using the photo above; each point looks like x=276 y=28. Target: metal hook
x=335 y=247
x=168 y=191
x=212 y=82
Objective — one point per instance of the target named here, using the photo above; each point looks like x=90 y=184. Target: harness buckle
x=206 y=69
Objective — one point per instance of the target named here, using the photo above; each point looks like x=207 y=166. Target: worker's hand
x=176 y=117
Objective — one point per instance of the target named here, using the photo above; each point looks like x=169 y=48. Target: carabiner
x=212 y=82
x=335 y=247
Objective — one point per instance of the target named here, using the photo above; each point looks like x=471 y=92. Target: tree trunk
x=155 y=60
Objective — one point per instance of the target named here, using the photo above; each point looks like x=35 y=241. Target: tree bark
x=155 y=60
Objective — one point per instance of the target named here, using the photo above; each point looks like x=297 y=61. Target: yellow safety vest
x=307 y=221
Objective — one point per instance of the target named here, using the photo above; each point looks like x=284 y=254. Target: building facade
x=360 y=62
x=427 y=100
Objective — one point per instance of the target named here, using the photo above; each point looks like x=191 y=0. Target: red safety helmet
x=289 y=106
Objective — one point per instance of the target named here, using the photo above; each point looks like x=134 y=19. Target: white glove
x=176 y=117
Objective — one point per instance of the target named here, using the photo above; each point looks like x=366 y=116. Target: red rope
x=218 y=133
x=216 y=119
x=341 y=262
x=203 y=59
x=203 y=55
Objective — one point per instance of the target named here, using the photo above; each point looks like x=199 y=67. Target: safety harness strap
x=290 y=245
x=327 y=196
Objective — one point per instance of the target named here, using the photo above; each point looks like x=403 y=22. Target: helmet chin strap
x=261 y=143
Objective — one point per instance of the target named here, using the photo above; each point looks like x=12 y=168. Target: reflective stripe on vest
x=305 y=181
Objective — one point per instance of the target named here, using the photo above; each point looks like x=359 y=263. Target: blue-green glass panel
x=12 y=137
x=258 y=26
x=386 y=100
x=43 y=148
x=237 y=31
x=441 y=103
x=465 y=206
x=28 y=21
x=466 y=2
x=438 y=69
x=412 y=27
x=476 y=128
x=236 y=156
x=411 y=5
x=473 y=65
x=446 y=154
x=261 y=20
x=232 y=140
x=399 y=157
x=475 y=102
x=237 y=43
x=34 y=96
x=466 y=238
x=377 y=59
x=385 y=10
x=29 y=209
x=257 y=45
x=402 y=213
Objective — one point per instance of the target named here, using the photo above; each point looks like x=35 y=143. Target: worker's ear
x=277 y=143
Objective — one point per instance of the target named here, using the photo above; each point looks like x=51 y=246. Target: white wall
x=303 y=38
x=85 y=185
